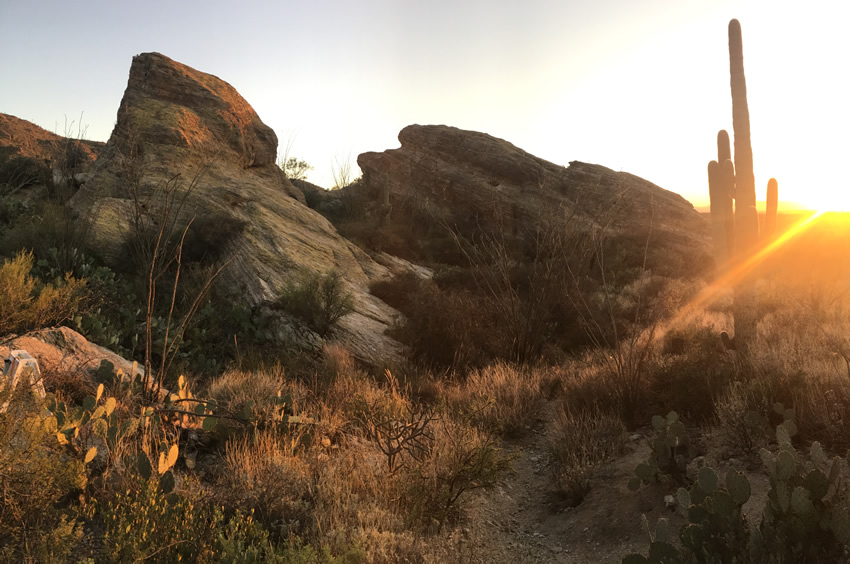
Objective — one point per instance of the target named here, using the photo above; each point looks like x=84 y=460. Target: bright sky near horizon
x=635 y=85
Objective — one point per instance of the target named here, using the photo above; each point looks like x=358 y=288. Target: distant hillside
x=23 y=138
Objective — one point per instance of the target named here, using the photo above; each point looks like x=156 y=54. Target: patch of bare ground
x=524 y=520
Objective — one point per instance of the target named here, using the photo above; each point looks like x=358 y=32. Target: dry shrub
x=355 y=494
x=689 y=383
x=587 y=384
x=742 y=424
x=27 y=305
x=398 y=290
x=270 y=474
x=452 y=328
x=462 y=459
x=67 y=380
x=336 y=361
x=504 y=398
x=580 y=444
x=236 y=390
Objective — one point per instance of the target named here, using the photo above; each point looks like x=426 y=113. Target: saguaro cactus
x=746 y=218
x=736 y=239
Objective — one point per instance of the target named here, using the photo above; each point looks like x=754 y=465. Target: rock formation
x=474 y=178
x=63 y=350
x=175 y=120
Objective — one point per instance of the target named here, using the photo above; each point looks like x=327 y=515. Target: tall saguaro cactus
x=736 y=234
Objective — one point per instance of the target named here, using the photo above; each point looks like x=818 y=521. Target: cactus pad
x=738 y=486
x=801 y=503
x=707 y=479
x=786 y=465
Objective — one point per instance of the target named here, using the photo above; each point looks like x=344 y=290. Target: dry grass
x=502 y=398
x=236 y=391
x=270 y=473
x=580 y=444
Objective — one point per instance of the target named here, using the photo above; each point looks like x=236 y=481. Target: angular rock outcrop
x=471 y=178
x=182 y=126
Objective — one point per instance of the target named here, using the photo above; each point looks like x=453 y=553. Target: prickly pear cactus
x=807 y=517
x=717 y=530
x=671 y=452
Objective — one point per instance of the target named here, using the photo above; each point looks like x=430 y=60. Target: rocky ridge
x=466 y=177
x=19 y=137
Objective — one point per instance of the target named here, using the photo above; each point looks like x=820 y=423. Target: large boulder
x=474 y=179
x=184 y=130
x=63 y=350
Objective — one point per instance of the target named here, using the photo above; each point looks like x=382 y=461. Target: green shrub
x=20 y=172
x=208 y=237
x=27 y=305
x=36 y=474
x=146 y=523
x=319 y=300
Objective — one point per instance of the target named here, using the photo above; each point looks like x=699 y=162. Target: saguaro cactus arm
x=772 y=206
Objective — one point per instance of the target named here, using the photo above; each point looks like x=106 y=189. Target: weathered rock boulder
x=184 y=129
x=470 y=178
x=63 y=350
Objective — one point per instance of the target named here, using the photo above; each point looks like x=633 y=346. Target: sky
x=640 y=86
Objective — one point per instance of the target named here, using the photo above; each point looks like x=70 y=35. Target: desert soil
x=524 y=521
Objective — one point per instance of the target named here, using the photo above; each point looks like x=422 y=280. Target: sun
x=830 y=202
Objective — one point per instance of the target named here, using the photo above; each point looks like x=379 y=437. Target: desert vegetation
x=581 y=366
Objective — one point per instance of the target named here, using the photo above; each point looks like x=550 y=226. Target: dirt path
x=522 y=522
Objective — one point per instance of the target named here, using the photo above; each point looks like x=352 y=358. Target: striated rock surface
x=19 y=137
x=471 y=178
x=181 y=126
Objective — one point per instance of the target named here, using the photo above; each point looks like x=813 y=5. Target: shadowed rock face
x=175 y=120
x=468 y=177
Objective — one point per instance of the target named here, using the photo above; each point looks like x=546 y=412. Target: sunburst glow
x=739 y=272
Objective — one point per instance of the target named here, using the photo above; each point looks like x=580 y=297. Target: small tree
x=295 y=169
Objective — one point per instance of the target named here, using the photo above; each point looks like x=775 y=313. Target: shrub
x=268 y=474
x=258 y=393
x=319 y=300
x=701 y=371
x=35 y=475
x=28 y=305
x=580 y=443
x=208 y=237
x=741 y=428
x=452 y=329
x=146 y=523
x=462 y=459
x=20 y=172
x=503 y=398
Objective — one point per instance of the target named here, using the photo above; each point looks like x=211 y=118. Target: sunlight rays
x=736 y=274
